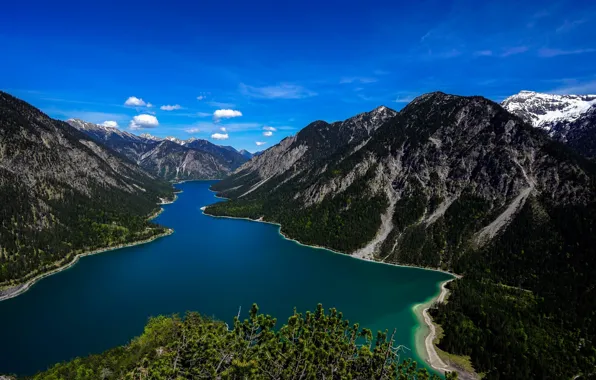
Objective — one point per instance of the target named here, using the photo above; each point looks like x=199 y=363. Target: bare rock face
x=570 y=119
x=296 y=154
x=407 y=173
x=63 y=191
x=168 y=158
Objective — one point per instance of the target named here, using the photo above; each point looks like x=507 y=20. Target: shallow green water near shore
x=211 y=265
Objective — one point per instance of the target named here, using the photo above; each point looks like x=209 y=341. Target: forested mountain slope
x=62 y=193
x=461 y=184
x=169 y=158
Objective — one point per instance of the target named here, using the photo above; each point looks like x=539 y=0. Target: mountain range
x=63 y=194
x=460 y=184
x=169 y=158
x=502 y=194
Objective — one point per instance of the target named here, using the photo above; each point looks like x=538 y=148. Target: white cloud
x=133 y=101
x=259 y=143
x=201 y=97
x=281 y=91
x=226 y=114
x=223 y=129
x=143 y=121
x=149 y=105
x=266 y=128
x=110 y=124
x=267 y=134
x=192 y=130
x=170 y=108
x=220 y=136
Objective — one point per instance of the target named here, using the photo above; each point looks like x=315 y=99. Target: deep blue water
x=211 y=265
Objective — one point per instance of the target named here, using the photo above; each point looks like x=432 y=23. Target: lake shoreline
x=426 y=333
x=16 y=290
x=425 y=347
x=260 y=220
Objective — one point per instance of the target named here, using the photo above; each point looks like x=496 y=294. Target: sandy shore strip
x=16 y=290
x=426 y=334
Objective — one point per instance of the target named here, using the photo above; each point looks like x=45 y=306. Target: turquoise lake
x=210 y=265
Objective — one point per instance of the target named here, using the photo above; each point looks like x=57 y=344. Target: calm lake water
x=211 y=265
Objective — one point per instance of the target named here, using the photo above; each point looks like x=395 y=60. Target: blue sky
x=282 y=65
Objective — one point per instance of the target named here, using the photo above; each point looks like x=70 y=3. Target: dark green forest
x=109 y=219
x=62 y=195
x=317 y=345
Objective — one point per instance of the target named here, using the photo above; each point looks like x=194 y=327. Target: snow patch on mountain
x=544 y=110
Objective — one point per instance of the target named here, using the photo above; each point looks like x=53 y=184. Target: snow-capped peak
x=544 y=110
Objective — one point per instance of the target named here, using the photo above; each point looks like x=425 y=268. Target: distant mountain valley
x=169 y=158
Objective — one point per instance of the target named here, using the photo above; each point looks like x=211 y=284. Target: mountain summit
x=450 y=182
x=570 y=119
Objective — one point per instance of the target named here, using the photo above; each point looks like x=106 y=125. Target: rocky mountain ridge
x=169 y=158
x=449 y=182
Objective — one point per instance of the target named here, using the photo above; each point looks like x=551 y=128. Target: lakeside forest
x=313 y=345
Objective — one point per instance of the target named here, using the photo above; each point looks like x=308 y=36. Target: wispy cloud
x=192 y=130
x=203 y=114
x=267 y=133
x=574 y=87
x=514 y=50
x=404 y=99
x=230 y=127
x=547 y=53
x=221 y=104
x=357 y=80
x=568 y=26
x=483 y=53
x=267 y=128
x=170 y=107
x=381 y=72
x=259 y=143
x=281 y=91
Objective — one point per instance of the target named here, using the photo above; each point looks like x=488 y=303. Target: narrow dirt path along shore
x=433 y=357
